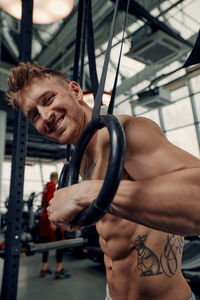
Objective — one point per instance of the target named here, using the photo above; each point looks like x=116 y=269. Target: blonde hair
x=22 y=75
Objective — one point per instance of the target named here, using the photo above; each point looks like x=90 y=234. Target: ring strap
x=112 y=100
x=90 y=47
x=78 y=40
x=98 y=98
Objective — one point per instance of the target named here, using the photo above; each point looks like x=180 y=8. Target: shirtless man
x=157 y=201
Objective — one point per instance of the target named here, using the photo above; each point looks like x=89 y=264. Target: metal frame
x=196 y=122
x=14 y=217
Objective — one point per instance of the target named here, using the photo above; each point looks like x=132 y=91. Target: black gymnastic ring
x=63 y=176
x=100 y=205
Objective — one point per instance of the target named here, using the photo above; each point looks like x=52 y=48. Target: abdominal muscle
x=141 y=263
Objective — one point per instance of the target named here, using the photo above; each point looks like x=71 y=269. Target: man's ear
x=76 y=89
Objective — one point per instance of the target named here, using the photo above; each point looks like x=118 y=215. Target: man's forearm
x=170 y=202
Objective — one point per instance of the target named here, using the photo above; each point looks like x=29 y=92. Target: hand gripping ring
x=101 y=204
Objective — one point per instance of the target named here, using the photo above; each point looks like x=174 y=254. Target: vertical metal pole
x=41 y=173
x=196 y=122
x=3 y=117
x=14 y=218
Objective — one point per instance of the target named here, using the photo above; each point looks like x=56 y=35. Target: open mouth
x=58 y=123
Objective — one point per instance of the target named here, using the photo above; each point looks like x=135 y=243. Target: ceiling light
x=44 y=12
x=89 y=99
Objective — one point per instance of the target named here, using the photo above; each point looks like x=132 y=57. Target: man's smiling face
x=54 y=107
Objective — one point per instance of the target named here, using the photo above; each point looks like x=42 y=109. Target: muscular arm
x=166 y=192
x=169 y=202
x=163 y=191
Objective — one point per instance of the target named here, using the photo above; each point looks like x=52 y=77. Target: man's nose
x=46 y=114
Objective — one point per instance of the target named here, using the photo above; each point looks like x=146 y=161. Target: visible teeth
x=59 y=123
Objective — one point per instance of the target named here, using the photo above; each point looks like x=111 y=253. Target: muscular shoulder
x=149 y=153
x=141 y=133
x=139 y=122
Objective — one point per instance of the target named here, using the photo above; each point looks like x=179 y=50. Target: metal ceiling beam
x=63 y=39
x=102 y=16
x=142 y=13
x=37 y=152
x=63 y=45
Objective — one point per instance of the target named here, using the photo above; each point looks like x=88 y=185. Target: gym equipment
x=191 y=263
x=33 y=248
x=101 y=205
x=14 y=217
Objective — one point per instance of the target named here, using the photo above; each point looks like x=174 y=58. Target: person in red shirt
x=50 y=233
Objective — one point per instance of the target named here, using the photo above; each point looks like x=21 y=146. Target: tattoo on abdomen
x=150 y=264
x=168 y=259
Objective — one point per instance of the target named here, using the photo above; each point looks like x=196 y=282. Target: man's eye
x=34 y=115
x=48 y=99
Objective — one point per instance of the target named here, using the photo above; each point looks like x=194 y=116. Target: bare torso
x=141 y=263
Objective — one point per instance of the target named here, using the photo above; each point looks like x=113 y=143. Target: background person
x=50 y=233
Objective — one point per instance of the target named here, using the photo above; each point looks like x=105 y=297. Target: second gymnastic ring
x=101 y=204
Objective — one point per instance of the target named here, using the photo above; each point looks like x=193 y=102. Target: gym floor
x=88 y=281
